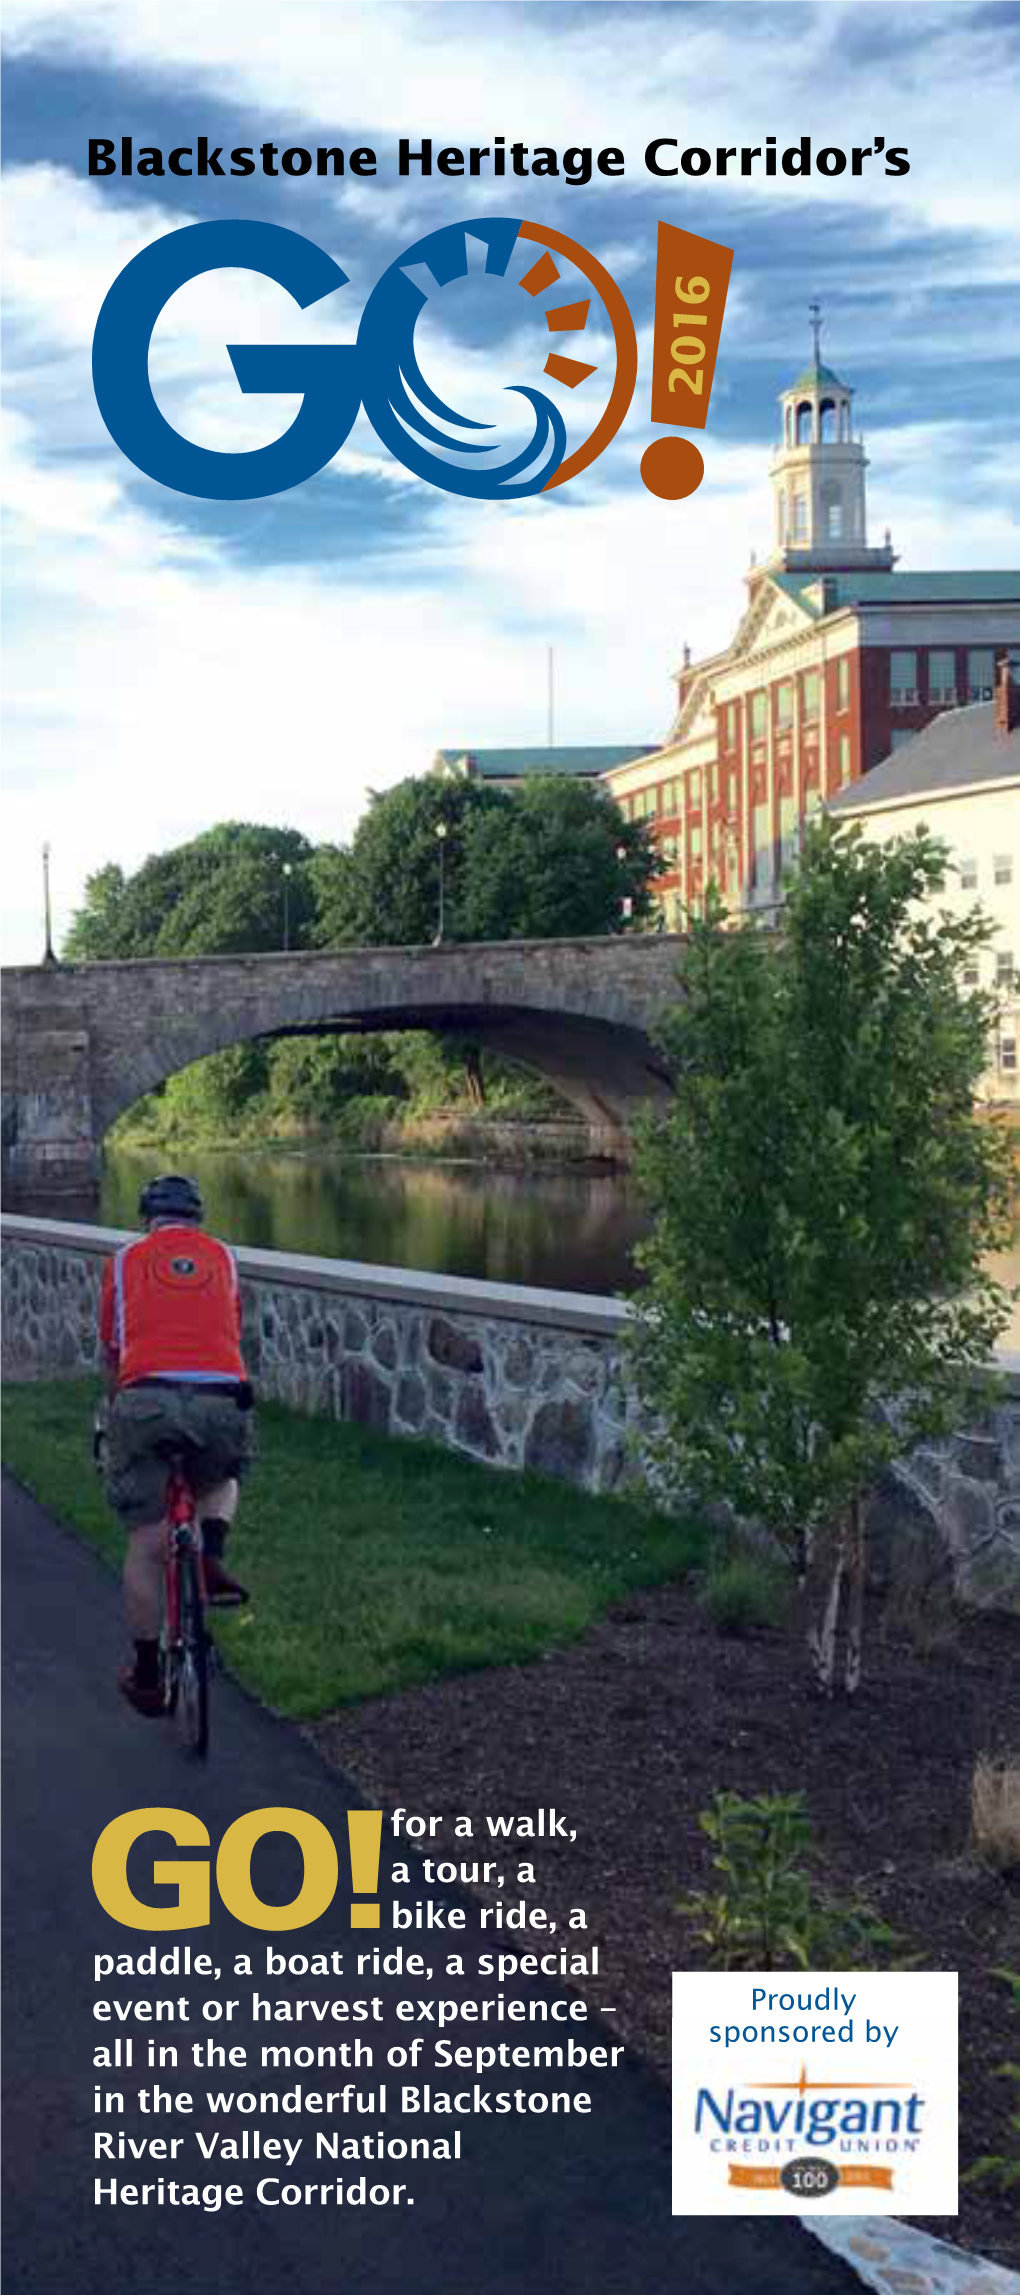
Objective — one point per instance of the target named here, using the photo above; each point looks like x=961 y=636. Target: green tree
x=561 y=863
x=223 y=893
x=383 y=891
x=824 y=1193
x=555 y=860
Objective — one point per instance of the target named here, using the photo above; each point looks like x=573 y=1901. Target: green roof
x=518 y=764
x=970 y=588
x=816 y=377
x=974 y=587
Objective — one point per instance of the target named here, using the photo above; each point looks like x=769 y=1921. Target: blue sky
x=171 y=661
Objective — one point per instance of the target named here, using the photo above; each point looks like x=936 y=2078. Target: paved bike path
x=571 y=2206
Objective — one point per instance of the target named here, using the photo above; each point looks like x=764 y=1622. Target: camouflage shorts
x=215 y=1436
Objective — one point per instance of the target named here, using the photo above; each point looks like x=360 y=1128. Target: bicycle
x=184 y=1647
x=185 y=1651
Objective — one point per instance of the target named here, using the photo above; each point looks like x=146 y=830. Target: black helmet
x=171 y=1198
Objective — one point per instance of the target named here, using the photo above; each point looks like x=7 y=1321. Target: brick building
x=838 y=659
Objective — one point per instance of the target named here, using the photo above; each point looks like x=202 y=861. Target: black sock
x=214 y=1536
x=147 y=1665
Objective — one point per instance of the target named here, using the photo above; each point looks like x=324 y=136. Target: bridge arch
x=89 y=1040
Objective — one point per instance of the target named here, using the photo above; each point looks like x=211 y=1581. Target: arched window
x=805 y=420
x=844 y=419
x=827 y=422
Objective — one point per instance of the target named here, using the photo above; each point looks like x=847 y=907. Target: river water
x=569 y=1230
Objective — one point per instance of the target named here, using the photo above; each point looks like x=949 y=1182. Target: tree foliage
x=824 y=1194
x=557 y=860
x=221 y=894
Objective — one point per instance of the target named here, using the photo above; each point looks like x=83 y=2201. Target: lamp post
x=48 y=955
x=442 y=832
x=288 y=871
x=626 y=903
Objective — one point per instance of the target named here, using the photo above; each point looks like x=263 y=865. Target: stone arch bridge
x=82 y=1042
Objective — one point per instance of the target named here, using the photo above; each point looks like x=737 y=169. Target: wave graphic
x=389 y=371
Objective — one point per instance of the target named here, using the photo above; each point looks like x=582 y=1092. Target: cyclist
x=170 y=1331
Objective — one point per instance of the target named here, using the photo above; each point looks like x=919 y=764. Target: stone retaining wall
x=515 y=1377
x=511 y=1376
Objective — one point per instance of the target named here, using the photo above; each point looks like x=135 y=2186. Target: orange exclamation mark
x=691 y=279
x=365 y=1829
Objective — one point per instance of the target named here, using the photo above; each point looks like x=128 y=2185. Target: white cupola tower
x=817 y=473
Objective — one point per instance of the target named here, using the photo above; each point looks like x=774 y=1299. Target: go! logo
x=379 y=371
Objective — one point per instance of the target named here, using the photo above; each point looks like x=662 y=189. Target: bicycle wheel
x=192 y=1687
x=169 y=1651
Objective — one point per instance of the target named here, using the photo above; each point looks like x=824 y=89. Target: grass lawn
x=374 y=1565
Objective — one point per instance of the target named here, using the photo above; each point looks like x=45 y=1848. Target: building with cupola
x=839 y=658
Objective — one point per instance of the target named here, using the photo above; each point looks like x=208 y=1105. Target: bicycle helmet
x=171 y=1197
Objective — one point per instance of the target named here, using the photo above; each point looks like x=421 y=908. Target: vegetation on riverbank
x=375 y=1565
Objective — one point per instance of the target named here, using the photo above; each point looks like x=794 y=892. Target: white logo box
x=845 y=2106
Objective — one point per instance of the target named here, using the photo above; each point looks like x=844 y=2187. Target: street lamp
x=288 y=871
x=48 y=956
x=442 y=832
x=626 y=903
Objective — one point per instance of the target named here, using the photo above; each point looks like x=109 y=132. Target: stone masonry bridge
x=82 y=1042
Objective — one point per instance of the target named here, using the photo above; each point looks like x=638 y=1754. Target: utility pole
x=442 y=833
x=48 y=956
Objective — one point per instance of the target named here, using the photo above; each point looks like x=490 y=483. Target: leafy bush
x=765 y=1912
x=742 y=1593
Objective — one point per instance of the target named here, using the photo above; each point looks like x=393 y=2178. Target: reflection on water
x=570 y=1230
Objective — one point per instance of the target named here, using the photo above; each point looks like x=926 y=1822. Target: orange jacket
x=171 y=1308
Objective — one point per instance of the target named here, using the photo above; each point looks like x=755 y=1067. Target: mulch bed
x=630 y=1732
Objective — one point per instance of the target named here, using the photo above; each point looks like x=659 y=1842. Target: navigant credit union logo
x=825 y=2091
x=380 y=371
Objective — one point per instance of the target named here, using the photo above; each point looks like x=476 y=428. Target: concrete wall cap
x=453 y=1294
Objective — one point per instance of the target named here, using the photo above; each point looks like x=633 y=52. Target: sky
x=171 y=662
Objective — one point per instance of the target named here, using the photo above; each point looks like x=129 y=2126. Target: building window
x=731 y=724
x=1007 y=1054
x=843 y=683
x=695 y=840
x=713 y=784
x=784 y=704
x=941 y=678
x=789 y=838
x=759 y=716
x=980 y=673
x=971 y=972
x=812 y=687
x=799 y=525
x=902 y=679
x=1002 y=869
x=694 y=788
x=844 y=759
x=832 y=512
x=805 y=423
x=762 y=846
x=968 y=873
x=1004 y=971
